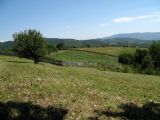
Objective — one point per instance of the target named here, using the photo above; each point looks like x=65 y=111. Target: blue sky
x=80 y=19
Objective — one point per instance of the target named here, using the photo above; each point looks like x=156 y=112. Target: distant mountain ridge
x=141 y=36
x=126 y=39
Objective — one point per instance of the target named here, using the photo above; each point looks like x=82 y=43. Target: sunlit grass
x=110 y=50
x=85 y=57
x=80 y=90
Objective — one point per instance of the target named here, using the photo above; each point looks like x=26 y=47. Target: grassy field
x=85 y=57
x=110 y=50
x=27 y=89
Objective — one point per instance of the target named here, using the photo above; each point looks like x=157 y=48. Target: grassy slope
x=85 y=57
x=110 y=50
x=80 y=90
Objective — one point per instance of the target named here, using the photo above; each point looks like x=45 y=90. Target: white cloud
x=128 y=19
x=123 y=19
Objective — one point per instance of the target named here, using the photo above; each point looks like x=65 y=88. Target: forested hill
x=128 y=39
x=68 y=43
x=6 y=45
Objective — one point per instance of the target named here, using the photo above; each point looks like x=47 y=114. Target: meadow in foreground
x=71 y=93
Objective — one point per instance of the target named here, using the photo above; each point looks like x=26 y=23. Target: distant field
x=85 y=57
x=110 y=50
x=81 y=91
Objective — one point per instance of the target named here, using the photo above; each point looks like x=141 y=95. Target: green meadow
x=81 y=92
x=85 y=57
x=115 y=51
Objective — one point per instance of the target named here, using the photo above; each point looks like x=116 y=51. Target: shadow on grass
x=28 y=111
x=149 y=111
x=13 y=61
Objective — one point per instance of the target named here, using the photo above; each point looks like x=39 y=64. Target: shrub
x=60 y=46
x=125 y=59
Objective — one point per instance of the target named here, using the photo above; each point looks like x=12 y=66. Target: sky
x=79 y=19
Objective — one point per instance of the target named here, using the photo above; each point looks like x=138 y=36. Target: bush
x=125 y=59
x=60 y=46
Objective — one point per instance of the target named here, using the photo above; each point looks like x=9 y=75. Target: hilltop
x=140 y=36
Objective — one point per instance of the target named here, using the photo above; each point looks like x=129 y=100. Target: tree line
x=145 y=61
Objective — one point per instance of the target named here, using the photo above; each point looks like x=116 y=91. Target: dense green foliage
x=30 y=44
x=144 y=60
x=155 y=54
x=125 y=58
x=60 y=46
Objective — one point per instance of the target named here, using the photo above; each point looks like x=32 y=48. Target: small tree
x=30 y=44
x=60 y=46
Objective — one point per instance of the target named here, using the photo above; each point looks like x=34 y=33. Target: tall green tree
x=143 y=60
x=30 y=44
x=155 y=53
